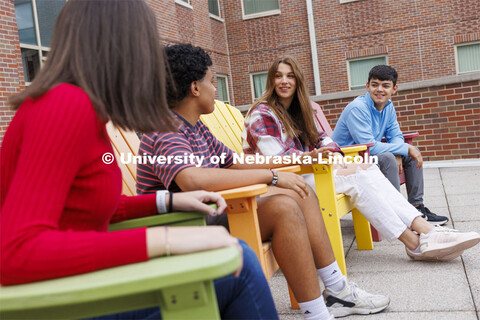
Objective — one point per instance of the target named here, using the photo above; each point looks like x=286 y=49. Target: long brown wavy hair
x=298 y=118
x=110 y=49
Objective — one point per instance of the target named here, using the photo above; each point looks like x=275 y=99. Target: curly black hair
x=187 y=64
x=383 y=73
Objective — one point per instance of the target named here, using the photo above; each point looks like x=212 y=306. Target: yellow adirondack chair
x=227 y=122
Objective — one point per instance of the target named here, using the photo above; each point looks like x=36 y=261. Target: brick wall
x=446 y=116
x=11 y=69
x=176 y=23
x=181 y=24
x=417 y=36
x=255 y=43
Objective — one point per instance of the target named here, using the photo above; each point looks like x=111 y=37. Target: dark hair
x=383 y=73
x=186 y=64
x=299 y=116
x=111 y=50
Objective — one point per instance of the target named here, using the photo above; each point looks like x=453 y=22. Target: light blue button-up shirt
x=361 y=122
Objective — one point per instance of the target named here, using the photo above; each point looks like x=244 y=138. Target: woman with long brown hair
x=57 y=195
x=282 y=122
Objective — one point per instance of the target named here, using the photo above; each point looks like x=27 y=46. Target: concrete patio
x=418 y=290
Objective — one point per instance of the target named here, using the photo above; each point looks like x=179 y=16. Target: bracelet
x=170 y=203
x=275 y=178
x=167 y=243
x=160 y=201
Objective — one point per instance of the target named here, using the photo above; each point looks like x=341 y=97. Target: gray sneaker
x=353 y=300
x=444 y=244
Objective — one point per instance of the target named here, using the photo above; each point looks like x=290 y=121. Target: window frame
x=359 y=59
x=38 y=47
x=185 y=4
x=252 y=83
x=214 y=16
x=221 y=75
x=463 y=44
x=260 y=14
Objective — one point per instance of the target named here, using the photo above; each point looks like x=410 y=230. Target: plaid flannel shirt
x=265 y=134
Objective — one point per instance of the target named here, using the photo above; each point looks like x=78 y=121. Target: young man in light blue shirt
x=371 y=117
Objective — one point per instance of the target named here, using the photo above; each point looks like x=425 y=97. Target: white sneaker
x=445 y=244
x=353 y=300
x=419 y=256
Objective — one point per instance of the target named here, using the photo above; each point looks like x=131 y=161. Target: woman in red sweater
x=57 y=196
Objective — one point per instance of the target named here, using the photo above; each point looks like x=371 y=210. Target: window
x=185 y=3
x=358 y=70
x=214 y=7
x=259 y=8
x=468 y=57
x=222 y=88
x=35 y=22
x=259 y=81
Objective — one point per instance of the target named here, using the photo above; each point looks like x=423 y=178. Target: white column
x=313 y=47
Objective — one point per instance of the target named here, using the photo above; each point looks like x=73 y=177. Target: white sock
x=332 y=277
x=314 y=309
x=417 y=250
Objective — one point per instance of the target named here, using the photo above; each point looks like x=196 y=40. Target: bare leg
x=281 y=219
x=409 y=239
x=317 y=233
x=421 y=225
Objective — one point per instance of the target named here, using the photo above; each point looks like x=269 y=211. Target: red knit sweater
x=57 y=197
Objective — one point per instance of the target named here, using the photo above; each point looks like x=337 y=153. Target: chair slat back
x=321 y=119
x=224 y=123
x=125 y=142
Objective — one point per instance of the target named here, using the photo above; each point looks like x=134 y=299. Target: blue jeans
x=245 y=297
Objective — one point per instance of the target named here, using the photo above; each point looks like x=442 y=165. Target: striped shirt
x=169 y=153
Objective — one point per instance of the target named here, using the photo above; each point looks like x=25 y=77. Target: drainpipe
x=313 y=47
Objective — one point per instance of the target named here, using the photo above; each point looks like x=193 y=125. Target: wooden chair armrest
x=118 y=289
x=294 y=169
x=188 y=218
x=408 y=137
x=355 y=149
x=244 y=192
x=368 y=145
x=411 y=135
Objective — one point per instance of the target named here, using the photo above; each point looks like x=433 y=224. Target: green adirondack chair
x=182 y=286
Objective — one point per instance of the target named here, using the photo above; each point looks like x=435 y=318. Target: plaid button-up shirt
x=265 y=134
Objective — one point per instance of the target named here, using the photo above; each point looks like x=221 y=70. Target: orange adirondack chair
x=242 y=203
